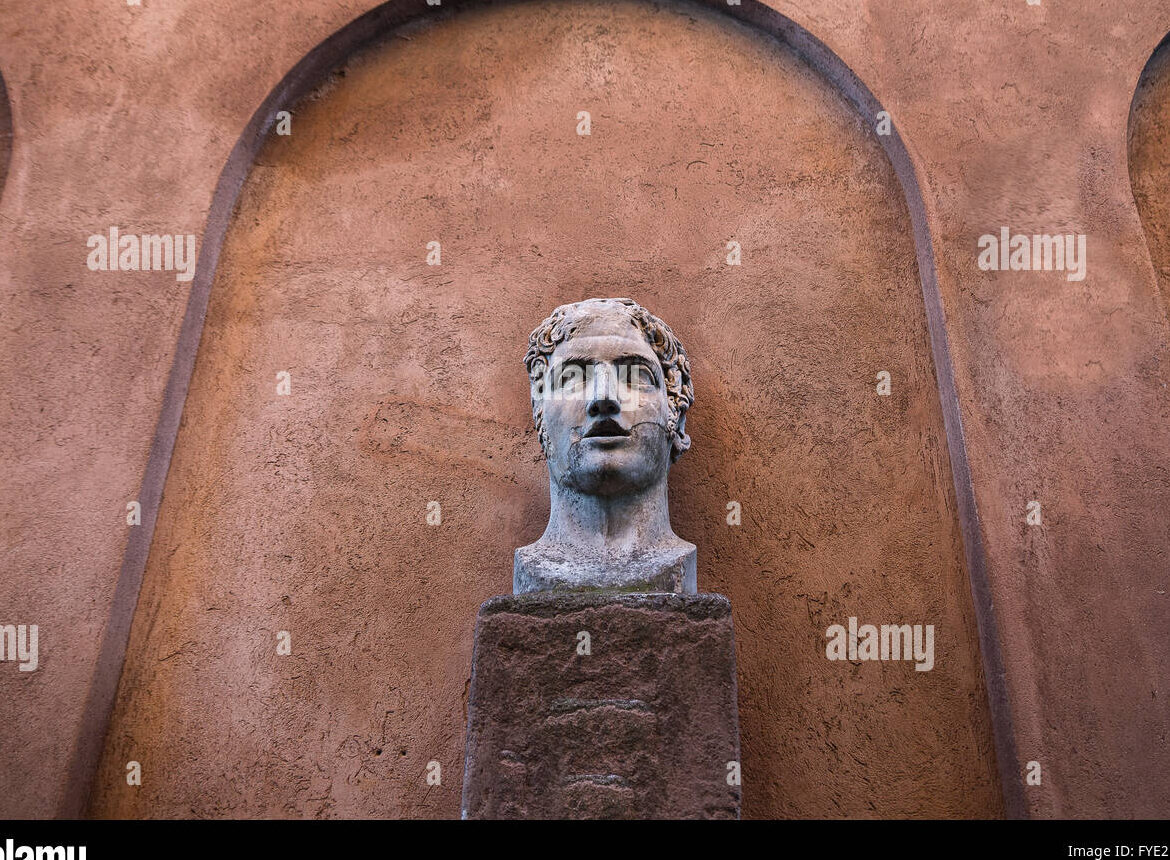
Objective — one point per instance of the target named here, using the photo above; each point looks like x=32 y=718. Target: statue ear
x=680 y=442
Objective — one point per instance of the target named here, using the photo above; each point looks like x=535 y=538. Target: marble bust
x=610 y=386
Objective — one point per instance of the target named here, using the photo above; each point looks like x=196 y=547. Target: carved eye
x=640 y=374
x=571 y=376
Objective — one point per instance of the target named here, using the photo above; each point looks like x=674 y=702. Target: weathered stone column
x=603 y=706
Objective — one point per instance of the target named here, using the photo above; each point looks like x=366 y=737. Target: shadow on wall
x=1149 y=159
x=5 y=134
x=343 y=384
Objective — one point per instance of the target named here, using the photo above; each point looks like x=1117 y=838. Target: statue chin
x=604 y=469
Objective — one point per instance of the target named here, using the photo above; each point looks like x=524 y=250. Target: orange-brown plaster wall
x=308 y=512
x=1013 y=115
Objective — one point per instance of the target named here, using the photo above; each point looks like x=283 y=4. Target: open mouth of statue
x=606 y=428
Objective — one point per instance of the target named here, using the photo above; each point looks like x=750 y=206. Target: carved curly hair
x=676 y=368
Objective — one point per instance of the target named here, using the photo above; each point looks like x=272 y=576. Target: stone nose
x=603 y=406
x=603 y=393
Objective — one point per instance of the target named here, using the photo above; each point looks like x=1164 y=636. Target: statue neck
x=624 y=522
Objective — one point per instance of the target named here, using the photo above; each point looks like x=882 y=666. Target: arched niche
x=1149 y=161
x=306 y=513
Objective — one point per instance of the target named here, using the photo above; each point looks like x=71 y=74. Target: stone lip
x=546 y=604
x=645 y=724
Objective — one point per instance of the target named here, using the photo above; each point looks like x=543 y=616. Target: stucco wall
x=1014 y=115
x=308 y=512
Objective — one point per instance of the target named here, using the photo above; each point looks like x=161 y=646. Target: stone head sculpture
x=611 y=386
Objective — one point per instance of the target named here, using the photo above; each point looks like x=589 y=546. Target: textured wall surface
x=308 y=512
x=1014 y=115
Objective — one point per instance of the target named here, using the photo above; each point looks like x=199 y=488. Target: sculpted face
x=606 y=409
x=611 y=387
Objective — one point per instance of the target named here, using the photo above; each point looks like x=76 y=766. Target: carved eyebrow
x=581 y=359
x=654 y=367
x=628 y=358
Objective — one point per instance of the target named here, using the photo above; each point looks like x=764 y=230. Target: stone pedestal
x=603 y=706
